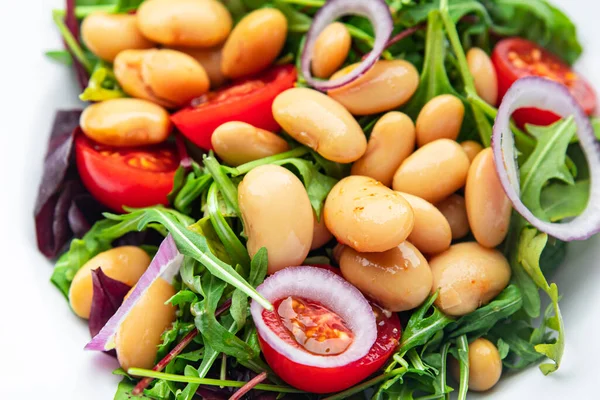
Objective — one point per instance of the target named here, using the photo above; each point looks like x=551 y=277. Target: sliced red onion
x=547 y=95
x=376 y=11
x=333 y=292
x=165 y=265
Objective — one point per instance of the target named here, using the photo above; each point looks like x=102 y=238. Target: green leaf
x=205 y=228
x=102 y=85
x=560 y=201
x=61 y=56
x=420 y=328
x=503 y=348
x=189 y=276
x=530 y=250
x=160 y=390
x=223 y=182
x=182 y=297
x=516 y=335
x=480 y=321
x=124 y=391
x=463 y=359
x=546 y=162
x=298 y=21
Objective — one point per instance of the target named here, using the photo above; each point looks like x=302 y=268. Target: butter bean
x=431 y=233
x=277 y=215
x=440 y=118
x=454 y=209
x=237 y=143
x=321 y=123
x=434 y=171
x=392 y=140
x=484 y=75
x=485 y=365
x=321 y=234
x=367 y=216
x=472 y=148
x=125 y=264
x=210 y=59
x=166 y=77
x=398 y=279
x=140 y=333
x=331 y=49
x=468 y=276
x=194 y=23
x=126 y=122
x=386 y=86
x=106 y=35
x=254 y=43
x=488 y=207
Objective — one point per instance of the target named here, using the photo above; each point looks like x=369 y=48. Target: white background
x=41 y=341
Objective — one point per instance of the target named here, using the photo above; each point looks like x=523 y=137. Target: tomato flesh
x=248 y=100
x=132 y=177
x=515 y=58
x=327 y=380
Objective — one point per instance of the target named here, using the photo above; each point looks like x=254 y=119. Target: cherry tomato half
x=133 y=177
x=248 y=100
x=516 y=58
x=327 y=380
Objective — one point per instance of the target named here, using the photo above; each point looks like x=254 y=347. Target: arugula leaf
x=239 y=301
x=124 y=391
x=463 y=358
x=531 y=246
x=546 y=162
x=517 y=336
x=205 y=228
x=480 y=321
x=61 y=56
x=227 y=188
x=420 y=329
x=560 y=201
x=102 y=85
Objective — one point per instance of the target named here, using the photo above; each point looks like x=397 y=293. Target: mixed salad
x=319 y=199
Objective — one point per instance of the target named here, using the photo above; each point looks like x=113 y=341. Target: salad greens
x=218 y=276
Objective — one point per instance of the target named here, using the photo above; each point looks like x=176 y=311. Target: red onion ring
x=318 y=284
x=376 y=11
x=552 y=96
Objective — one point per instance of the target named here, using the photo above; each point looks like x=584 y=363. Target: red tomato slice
x=516 y=58
x=248 y=100
x=327 y=380
x=133 y=177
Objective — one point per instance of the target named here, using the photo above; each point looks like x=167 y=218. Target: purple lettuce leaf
x=108 y=295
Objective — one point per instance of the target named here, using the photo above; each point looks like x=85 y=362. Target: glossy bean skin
x=386 y=86
x=277 y=215
x=125 y=264
x=454 y=209
x=488 y=207
x=210 y=59
x=193 y=23
x=440 y=118
x=392 y=140
x=254 y=43
x=237 y=143
x=434 y=171
x=106 y=35
x=366 y=215
x=484 y=75
x=485 y=365
x=431 y=233
x=321 y=123
x=331 y=49
x=126 y=122
x=321 y=234
x=468 y=276
x=140 y=333
x=472 y=148
x=398 y=279
x=166 y=77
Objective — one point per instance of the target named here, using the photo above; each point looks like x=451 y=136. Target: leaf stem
x=463 y=347
x=225 y=185
x=83 y=11
x=140 y=372
x=367 y=384
x=71 y=41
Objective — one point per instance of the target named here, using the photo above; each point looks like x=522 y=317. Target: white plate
x=41 y=341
